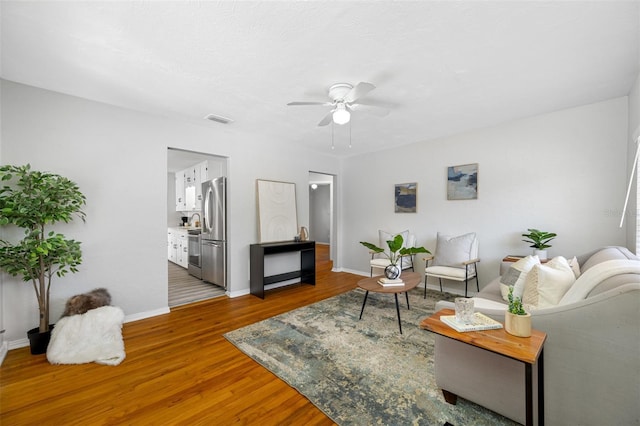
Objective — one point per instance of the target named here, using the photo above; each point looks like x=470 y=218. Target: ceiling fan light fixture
x=341 y=115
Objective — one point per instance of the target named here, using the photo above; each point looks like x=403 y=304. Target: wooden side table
x=411 y=281
x=527 y=350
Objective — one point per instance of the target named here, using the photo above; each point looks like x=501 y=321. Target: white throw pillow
x=516 y=275
x=452 y=251
x=575 y=266
x=546 y=284
x=385 y=236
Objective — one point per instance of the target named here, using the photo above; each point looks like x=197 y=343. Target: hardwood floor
x=179 y=370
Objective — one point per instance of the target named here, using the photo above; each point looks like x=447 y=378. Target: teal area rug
x=361 y=372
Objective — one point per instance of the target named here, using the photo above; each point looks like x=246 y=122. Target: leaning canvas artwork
x=405 y=197
x=462 y=182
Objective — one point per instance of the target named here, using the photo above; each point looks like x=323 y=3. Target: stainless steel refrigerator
x=214 y=231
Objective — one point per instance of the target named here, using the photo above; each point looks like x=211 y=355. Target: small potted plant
x=516 y=320
x=396 y=252
x=34 y=200
x=539 y=241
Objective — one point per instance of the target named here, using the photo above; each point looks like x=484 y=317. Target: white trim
x=238 y=293
x=147 y=314
x=20 y=343
x=3 y=351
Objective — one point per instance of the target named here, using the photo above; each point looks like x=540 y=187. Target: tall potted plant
x=396 y=251
x=34 y=200
x=539 y=241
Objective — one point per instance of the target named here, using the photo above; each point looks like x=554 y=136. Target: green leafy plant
x=33 y=200
x=539 y=239
x=515 y=304
x=396 y=251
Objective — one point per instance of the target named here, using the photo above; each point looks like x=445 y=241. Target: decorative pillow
x=452 y=251
x=385 y=236
x=547 y=283
x=575 y=266
x=516 y=275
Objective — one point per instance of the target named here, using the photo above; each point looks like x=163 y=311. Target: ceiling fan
x=343 y=102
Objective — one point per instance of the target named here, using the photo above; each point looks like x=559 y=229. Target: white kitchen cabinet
x=172 y=246
x=178 y=246
x=181 y=203
x=183 y=249
x=202 y=169
x=189 y=187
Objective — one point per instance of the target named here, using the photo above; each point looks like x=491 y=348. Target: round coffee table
x=411 y=281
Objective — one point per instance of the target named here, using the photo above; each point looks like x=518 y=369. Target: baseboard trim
x=3 y=351
x=148 y=314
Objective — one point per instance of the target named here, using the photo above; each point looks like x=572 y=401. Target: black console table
x=307 y=272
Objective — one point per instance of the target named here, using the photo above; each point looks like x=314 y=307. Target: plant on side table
x=539 y=241
x=32 y=200
x=396 y=252
x=516 y=320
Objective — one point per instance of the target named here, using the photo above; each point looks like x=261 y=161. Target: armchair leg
x=425 y=287
x=477 y=282
x=440 y=280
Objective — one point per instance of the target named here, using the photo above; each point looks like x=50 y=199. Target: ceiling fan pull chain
x=349 y=134
x=332 y=126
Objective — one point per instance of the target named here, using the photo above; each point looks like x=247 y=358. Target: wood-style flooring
x=179 y=370
x=184 y=288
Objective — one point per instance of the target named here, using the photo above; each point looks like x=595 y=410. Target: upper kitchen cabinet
x=189 y=187
x=181 y=203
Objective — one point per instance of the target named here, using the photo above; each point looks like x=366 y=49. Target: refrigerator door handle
x=208 y=226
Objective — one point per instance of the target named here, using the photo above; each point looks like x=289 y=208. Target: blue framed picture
x=462 y=182
x=405 y=197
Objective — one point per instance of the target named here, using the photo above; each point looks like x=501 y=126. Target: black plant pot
x=39 y=341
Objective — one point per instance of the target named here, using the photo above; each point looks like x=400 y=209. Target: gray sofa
x=591 y=356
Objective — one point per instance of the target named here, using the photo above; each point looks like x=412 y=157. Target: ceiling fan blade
x=359 y=91
x=327 y=119
x=309 y=103
x=370 y=109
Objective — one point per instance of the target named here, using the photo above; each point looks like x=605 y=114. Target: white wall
x=563 y=172
x=119 y=159
x=634 y=133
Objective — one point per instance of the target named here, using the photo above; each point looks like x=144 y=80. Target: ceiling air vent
x=219 y=119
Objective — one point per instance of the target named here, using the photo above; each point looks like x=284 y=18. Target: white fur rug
x=95 y=336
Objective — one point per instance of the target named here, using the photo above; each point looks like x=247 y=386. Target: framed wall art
x=405 y=197
x=277 y=212
x=462 y=182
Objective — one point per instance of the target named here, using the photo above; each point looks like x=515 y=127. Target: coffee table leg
x=364 y=303
x=406 y=293
x=398 y=311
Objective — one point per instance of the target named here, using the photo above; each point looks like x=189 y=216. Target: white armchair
x=380 y=261
x=455 y=259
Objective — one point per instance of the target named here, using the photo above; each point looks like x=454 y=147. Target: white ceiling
x=441 y=67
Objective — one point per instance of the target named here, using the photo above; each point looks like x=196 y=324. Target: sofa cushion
x=452 y=251
x=516 y=275
x=596 y=275
x=546 y=284
x=607 y=253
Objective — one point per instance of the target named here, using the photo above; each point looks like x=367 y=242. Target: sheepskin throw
x=95 y=336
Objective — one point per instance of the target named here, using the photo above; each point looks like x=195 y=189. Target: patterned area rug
x=361 y=372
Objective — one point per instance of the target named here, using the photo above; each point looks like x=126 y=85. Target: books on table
x=386 y=282
x=480 y=322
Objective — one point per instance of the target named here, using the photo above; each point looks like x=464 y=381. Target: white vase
x=542 y=254
x=518 y=325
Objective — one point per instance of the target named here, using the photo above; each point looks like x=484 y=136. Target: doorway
x=185 y=287
x=322 y=211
